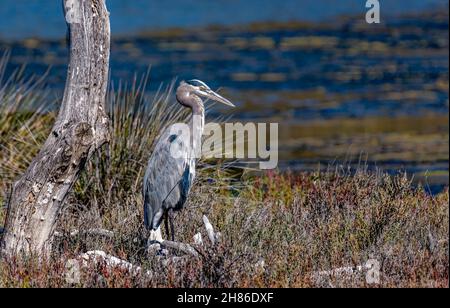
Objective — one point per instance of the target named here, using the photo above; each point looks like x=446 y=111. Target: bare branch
x=341 y=272
x=111 y=262
x=185 y=248
x=209 y=230
x=156 y=248
x=91 y=232
x=198 y=239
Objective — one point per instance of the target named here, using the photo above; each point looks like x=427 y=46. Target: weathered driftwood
x=110 y=261
x=91 y=232
x=198 y=239
x=186 y=248
x=371 y=270
x=81 y=128
x=209 y=230
x=157 y=250
x=341 y=271
x=98 y=257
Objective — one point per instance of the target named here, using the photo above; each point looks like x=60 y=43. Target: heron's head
x=191 y=93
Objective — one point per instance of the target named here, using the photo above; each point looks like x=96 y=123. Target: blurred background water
x=42 y=18
x=342 y=90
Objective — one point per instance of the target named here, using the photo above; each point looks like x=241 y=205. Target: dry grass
x=297 y=224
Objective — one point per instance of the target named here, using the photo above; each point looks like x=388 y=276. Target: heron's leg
x=166 y=224
x=159 y=235
x=172 y=228
x=152 y=237
x=155 y=235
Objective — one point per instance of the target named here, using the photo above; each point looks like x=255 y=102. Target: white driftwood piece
x=209 y=230
x=91 y=232
x=101 y=257
x=111 y=262
x=186 y=248
x=341 y=271
x=344 y=272
x=198 y=239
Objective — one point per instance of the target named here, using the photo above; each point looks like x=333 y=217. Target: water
x=43 y=18
x=342 y=91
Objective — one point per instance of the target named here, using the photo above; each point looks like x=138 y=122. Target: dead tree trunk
x=81 y=128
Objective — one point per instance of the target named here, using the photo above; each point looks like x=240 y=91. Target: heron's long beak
x=210 y=94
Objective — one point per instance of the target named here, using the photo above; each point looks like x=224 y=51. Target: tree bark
x=81 y=128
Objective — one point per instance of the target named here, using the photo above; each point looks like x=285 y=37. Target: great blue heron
x=169 y=177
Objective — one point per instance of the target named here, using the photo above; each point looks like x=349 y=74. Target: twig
x=350 y=270
x=91 y=232
x=110 y=261
x=186 y=248
x=198 y=239
x=209 y=230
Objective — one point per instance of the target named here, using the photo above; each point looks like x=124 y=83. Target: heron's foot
x=154 y=243
x=155 y=236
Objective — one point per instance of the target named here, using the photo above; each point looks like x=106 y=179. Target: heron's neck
x=197 y=125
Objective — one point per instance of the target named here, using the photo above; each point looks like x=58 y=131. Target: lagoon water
x=42 y=18
x=342 y=91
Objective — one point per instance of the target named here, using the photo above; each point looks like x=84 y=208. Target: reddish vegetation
x=298 y=225
x=278 y=230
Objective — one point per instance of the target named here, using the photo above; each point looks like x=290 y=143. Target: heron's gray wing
x=168 y=177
